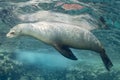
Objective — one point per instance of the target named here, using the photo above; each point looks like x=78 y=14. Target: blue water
x=25 y=58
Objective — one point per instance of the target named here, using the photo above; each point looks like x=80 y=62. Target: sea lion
x=62 y=37
x=85 y=21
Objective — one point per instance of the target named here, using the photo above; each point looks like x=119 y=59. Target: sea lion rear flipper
x=66 y=52
x=107 y=62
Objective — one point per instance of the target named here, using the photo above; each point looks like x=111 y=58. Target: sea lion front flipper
x=66 y=52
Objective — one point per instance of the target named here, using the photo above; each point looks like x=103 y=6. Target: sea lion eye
x=12 y=33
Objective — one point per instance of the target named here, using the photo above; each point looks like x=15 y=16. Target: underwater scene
x=76 y=40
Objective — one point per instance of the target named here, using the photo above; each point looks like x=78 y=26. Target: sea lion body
x=61 y=36
x=64 y=34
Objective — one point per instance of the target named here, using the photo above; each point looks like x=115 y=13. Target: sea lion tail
x=107 y=62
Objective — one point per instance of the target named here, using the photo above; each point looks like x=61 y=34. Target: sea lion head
x=14 y=32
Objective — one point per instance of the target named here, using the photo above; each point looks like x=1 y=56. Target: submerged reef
x=13 y=69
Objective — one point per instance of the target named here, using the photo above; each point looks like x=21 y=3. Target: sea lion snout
x=8 y=35
x=11 y=34
x=14 y=32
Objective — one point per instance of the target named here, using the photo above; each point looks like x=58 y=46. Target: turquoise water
x=25 y=58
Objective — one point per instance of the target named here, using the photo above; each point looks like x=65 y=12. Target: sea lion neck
x=33 y=31
x=27 y=29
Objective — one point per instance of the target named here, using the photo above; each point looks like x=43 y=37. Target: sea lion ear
x=20 y=31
